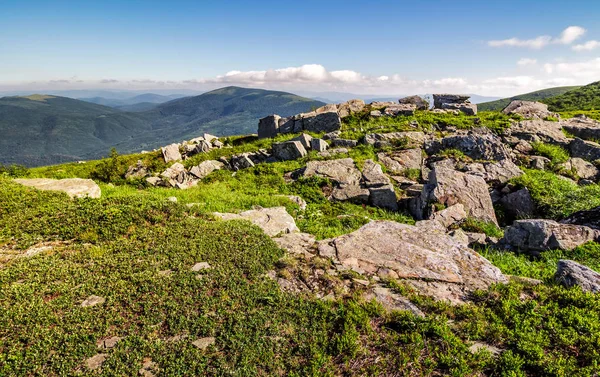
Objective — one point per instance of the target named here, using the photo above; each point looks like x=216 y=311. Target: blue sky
x=379 y=47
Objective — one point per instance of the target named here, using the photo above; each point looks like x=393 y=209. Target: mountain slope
x=42 y=130
x=132 y=101
x=582 y=98
x=533 y=96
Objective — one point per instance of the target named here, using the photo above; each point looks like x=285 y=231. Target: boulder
x=350 y=107
x=581 y=167
x=286 y=125
x=173 y=171
x=323 y=122
x=74 y=187
x=391 y=300
x=529 y=109
x=344 y=143
x=587 y=150
x=399 y=161
x=478 y=146
x=449 y=187
x=518 y=204
x=296 y=243
x=202 y=147
x=589 y=218
x=450 y=216
x=289 y=150
x=538 y=131
x=342 y=171
x=351 y=193
x=464 y=107
x=381 y=190
x=570 y=274
x=495 y=172
x=241 y=162
x=373 y=174
x=540 y=235
x=136 y=171
x=268 y=126
x=400 y=109
x=582 y=127
x=538 y=162
x=378 y=105
x=205 y=168
x=327 y=108
x=375 y=114
x=273 y=221
x=305 y=140
x=440 y=99
x=419 y=102
x=408 y=138
x=171 y=153
x=435 y=264
x=318 y=145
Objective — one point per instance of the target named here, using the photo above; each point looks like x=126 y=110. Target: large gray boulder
x=289 y=150
x=498 y=172
x=273 y=221
x=171 y=153
x=465 y=107
x=350 y=107
x=538 y=131
x=400 y=109
x=240 y=162
x=440 y=99
x=529 y=109
x=478 y=146
x=570 y=274
x=268 y=126
x=518 y=204
x=449 y=187
x=540 y=235
x=304 y=139
x=345 y=174
x=589 y=218
x=582 y=127
x=205 y=168
x=380 y=187
x=419 y=102
x=434 y=263
x=323 y=122
x=74 y=187
x=399 y=161
x=408 y=138
x=318 y=145
x=587 y=150
x=581 y=167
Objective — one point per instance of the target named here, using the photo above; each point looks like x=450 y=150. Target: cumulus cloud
x=526 y=61
x=567 y=36
x=308 y=73
x=587 y=46
x=588 y=70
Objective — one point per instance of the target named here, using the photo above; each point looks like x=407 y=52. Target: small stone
x=361 y=282
x=148 y=369
x=172 y=199
x=108 y=343
x=96 y=361
x=204 y=343
x=478 y=346
x=201 y=266
x=93 y=301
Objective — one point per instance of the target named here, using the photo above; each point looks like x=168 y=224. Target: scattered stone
x=542 y=235
x=450 y=216
x=519 y=204
x=485 y=146
x=305 y=140
x=205 y=168
x=93 y=301
x=108 y=343
x=587 y=150
x=582 y=127
x=296 y=199
x=332 y=135
x=95 y=362
x=350 y=107
x=419 y=102
x=204 y=343
x=201 y=266
x=589 y=218
x=538 y=131
x=393 y=301
x=465 y=107
x=273 y=221
x=539 y=162
x=268 y=127
x=581 y=167
x=478 y=346
x=171 y=153
x=289 y=150
x=570 y=274
x=241 y=162
x=400 y=109
x=375 y=114
x=324 y=122
x=154 y=181
x=495 y=173
x=529 y=109
x=74 y=187
x=342 y=171
x=362 y=282
x=318 y=145
x=408 y=138
x=344 y=143
x=327 y=108
x=399 y=161
x=136 y=171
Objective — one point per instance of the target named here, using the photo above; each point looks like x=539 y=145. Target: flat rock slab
x=93 y=301
x=296 y=243
x=273 y=221
x=74 y=187
x=414 y=253
x=204 y=343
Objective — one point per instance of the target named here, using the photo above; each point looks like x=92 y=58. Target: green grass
x=582 y=98
x=478 y=226
x=557 y=154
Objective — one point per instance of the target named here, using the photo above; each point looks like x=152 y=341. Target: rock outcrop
x=273 y=221
x=456 y=102
x=571 y=274
x=529 y=109
x=541 y=235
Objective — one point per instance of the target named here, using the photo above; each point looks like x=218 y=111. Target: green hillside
x=539 y=95
x=582 y=98
x=42 y=130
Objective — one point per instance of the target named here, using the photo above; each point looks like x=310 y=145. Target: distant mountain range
x=136 y=103
x=43 y=129
x=338 y=97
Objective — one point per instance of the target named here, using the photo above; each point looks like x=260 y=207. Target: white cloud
x=526 y=61
x=586 y=71
x=567 y=36
x=587 y=46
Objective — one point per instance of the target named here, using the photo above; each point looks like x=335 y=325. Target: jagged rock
x=324 y=122
x=392 y=301
x=154 y=181
x=523 y=147
x=440 y=99
x=383 y=197
x=296 y=243
x=305 y=140
x=318 y=145
x=108 y=343
x=205 y=168
x=241 y=162
x=538 y=131
x=459 y=235
x=349 y=107
x=449 y=270
x=373 y=174
x=217 y=144
x=344 y=143
x=589 y=218
x=327 y=108
x=400 y=109
x=381 y=104
x=465 y=107
x=375 y=114
x=587 y=150
x=202 y=147
x=74 y=187
x=286 y=125
x=136 y=171
x=268 y=126
x=352 y=193
x=485 y=146
x=332 y=135
x=570 y=274
x=538 y=162
x=450 y=187
x=173 y=172
x=342 y=171
x=541 y=235
x=399 y=161
x=529 y=109
x=289 y=150
x=410 y=138
x=273 y=221
x=450 y=216
x=519 y=204
x=582 y=127
x=581 y=167
x=495 y=172
x=420 y=103
x=171 y=153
